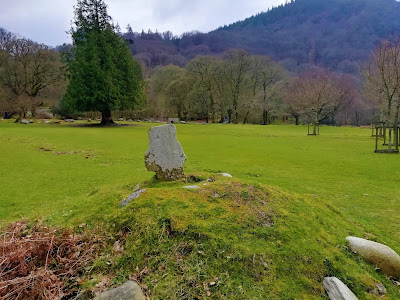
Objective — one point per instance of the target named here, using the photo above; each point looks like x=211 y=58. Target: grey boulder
x=379 y=255
x=165 y=155
x=130 y=290
x=337 y=290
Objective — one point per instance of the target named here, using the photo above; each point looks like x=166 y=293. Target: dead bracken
x=40 y=263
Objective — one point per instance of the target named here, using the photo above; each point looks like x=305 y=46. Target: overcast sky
x=46 y=21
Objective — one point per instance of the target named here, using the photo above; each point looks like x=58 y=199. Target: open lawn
x=70 y=175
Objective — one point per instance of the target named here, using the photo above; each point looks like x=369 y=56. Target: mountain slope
x=336 y=34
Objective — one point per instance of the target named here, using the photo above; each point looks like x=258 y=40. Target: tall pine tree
x=103 y=75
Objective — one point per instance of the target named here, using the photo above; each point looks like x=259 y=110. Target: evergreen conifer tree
x=103 y=75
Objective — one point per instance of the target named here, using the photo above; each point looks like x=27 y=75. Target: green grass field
x=69 y=175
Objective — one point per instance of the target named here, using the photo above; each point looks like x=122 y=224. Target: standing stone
x=165 y=155
x=337 y=290
x=380 y=255
x=128 y=291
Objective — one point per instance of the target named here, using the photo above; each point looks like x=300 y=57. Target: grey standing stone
x=130 y=290
x=337 y=290
x=131 y=197
x=380 y=255
x=165 y=155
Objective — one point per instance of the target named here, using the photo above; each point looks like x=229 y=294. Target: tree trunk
x=297 y=120
x=246 y=118
x=106 y=118
x=236 y=117
x=265 y=117
x=229 y=115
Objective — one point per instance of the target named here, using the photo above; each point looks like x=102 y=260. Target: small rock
x=129 y=120
x=191 y=187
x=120 y=119
x=226 y=175
x=337 y=290
x=380 y=255
x=128 y=291
x=70 y=120
x=89 y=120
x=117 y=248
x=380 y=290
x=216 y=195
x=213 y=283
x=131 y=197
x=165 y=155
x=24 y=122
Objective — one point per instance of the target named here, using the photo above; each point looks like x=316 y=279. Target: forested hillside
x=335 y=34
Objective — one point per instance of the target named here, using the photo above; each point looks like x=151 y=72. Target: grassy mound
x=232 y=240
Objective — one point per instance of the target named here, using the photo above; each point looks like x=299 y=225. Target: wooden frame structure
x=313 y=132
x=381 y=126
x=392 y=143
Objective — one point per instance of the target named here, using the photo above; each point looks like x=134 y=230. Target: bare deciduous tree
x=266 y=81
x=382 y=80
x=319 y=95
x=236 y=67
x=27 y=68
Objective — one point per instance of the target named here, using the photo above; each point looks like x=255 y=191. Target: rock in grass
x=226 y=175
x=380 y=255
x=24 y=122
x=337 y=290
x=191 y=187
x=165 y=155
x=130 y=290
x=380 y=290
x=131 y=197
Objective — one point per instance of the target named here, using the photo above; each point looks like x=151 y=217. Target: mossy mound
x=233 y=240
